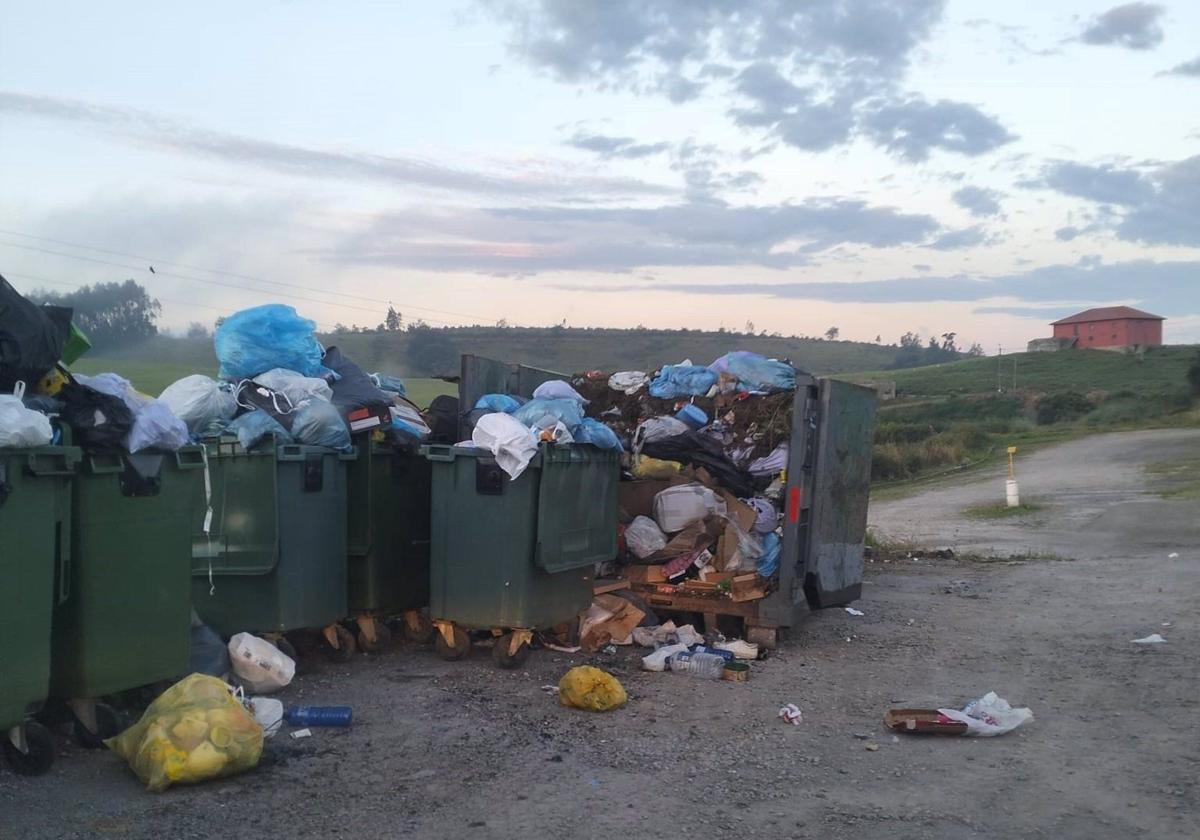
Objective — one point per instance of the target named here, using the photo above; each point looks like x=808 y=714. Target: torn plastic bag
x=155 y=426
x=556 y=389
x=644 y=537
x=32 y=337
x=294 y=386
x=699 y=450
x=115 y=386
x=318 y=423
x=200 y=402
x=755 y=372
x=255 y=340
x=557 y=434
x=989 y=716
x=98 y=421
x=675 y=381
x=390 y=384
x=253 y=426
x=508 y=439
x=597 y=434
x=504 y=403
x=353 y=389
x=771 y=464
x=21 y=427
x=768 y=561
x=543 y=414
x=628 y=381
x=766 y=515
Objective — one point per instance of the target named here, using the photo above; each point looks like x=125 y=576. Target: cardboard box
x=644 y=574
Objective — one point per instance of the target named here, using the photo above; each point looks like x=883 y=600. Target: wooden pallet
x=670 y=598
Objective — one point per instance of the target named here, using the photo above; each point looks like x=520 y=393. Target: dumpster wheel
x=417 y=627
x=379 y=630
x=454 y=650
x=38 y=754
x=287 y=649
x=108 y=725
x=346 y=647
x=512 y=649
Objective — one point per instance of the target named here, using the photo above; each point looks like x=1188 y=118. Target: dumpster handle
x=290 y=452
x=101 y=463
x=51 y=463
x=438 y=452
x=352 y=455
x=191 y=458
x=63 y=560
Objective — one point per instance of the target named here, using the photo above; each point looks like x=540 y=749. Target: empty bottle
x=319 y=715
x=727 y=655
x=705 y=666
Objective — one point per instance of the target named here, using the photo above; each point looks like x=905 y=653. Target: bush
x=903 y=432
x=1193 y=375
x=1062 y=407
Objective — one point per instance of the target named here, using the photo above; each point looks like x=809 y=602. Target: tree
x=393 y=322
x=976 y=350
x=948 y=342
x=910 y=339
x=197 y=330
x=502 y=324
x=749 y=328
x=879 y=339
x=431 y=352
x=1193 y=375
x=832 y=333
x=111 y=314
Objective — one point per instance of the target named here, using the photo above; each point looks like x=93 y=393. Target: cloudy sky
x=878 y=165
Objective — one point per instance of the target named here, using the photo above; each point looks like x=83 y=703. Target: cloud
x=914 y=127
x=1106 y=184
x=1133 y=25
x=958 y=239
x=163 y=133
x=555 y=238
x=1188 y=68
x=616 y=147
x=978 y=201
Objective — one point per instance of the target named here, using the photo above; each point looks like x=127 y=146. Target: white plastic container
x=678 y=507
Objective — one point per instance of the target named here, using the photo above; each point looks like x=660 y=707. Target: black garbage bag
x=97 y=420
x=355 y=389
x=699 y=450
x=31 y=337
x=442 y=418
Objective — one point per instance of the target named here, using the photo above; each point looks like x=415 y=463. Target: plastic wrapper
x=195 y=730
x=597 y=434
x=200 y=402
x=155 y=426
x=768 y=561
x=253 y=426
x=256 y=340
x=675 y=381
x=646 y=467
x=591 y=689
x=22 y=427
x=543 y=414
x=318 y=423
x=628 y=381
x=297 y=388
x=644 y=537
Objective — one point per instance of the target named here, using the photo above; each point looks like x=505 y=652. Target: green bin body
x=124 y=614
x=35 y=542
x=519 y=554
x=387 y=522
x=274 y=558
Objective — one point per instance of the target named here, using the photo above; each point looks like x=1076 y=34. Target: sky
x=876 y=165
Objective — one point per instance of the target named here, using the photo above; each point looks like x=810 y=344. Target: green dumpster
x=124 y=614
x=35 y=536
x=274 y=557
x=387 y=521
x=516 y=555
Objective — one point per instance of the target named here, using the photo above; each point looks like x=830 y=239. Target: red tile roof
x=1109 y=313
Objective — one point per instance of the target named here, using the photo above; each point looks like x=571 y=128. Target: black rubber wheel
x=40 y=757
x=346 y=648
x=423 y=633
x=287 y=648
x=109 y=725
x=460 y=648
x=383 y=639
x=502 y=657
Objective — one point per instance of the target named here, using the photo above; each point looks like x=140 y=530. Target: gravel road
x=445 y=750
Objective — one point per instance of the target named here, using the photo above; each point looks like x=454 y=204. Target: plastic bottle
x=705 y=666
x=727 y=655
x=319 y=715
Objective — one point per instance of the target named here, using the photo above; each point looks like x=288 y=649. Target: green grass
x=1001 y=510
x=1178 y=479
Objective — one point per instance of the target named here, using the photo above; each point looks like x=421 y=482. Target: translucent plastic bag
x=155 y=426
x=259 y=665
x=509 y=440
x=19 y=426
x=265 y=337
x=755 y=372
x=556 y=389
x=296 y=387
x=499 y=402
x=253 y=426
x=682 y=381
x=390 y=384
x=768 y=562
x=199 y=402
x=115 y=386
x=989 y=716
x=644 y=537
x=597 y=434
x=195 y=730
x=543 y=414
x=319 y=423
x=591 y=689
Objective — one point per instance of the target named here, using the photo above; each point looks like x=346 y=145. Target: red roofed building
x=1111 y=326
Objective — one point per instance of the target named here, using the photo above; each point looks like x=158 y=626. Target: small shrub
x=1062 y=407
x=903 y=432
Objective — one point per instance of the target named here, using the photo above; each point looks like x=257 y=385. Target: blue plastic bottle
x=319 y=715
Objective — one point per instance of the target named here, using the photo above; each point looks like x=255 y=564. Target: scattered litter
x=550 y=689
x=740 y=649
x=657 y=661
x=1172 y=555
x=268 y=713
x=853 y=611
x=988 y=716
x=591 y=689
x=561 y=649
x=301 y=733
x=1152 y=639
x=259 y=665
x=791 y=714
x=872 y=748
x=609 y=649
x=339 y=716
x=1166 y=624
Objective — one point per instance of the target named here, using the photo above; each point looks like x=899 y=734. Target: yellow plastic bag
x=646 y=467
x=195 y=730
x=590 y=688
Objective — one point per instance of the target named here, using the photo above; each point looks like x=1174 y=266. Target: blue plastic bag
x=755 y=372
x=318 y=423
x=675 y=381
x=253 y=426
x=597 y=434
x=256 y=340
x=543 y=414
x=498 y=402
x=391 y=384
x=768 y=562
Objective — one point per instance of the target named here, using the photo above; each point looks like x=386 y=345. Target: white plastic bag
x=644 y=537
x=657 y=428
x=678 y=507
x=260 y=666
x=628 y=381
x=556 y=389
x=296 y=387
x=513 y=445
x=19 y=426
x=115 y=386
x=198 y=401
x=268 y=713
x=989 y=716
x=156 y=427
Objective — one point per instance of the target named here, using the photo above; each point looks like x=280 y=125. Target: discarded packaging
x=657 y=661
x=853 y=611
x=259 y=665
x=300 y=733
x=791 y=714
x=986 y=717
x=591 y=689
x=268 y=713
x=1152 y=639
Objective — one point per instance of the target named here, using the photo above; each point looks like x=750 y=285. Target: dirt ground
x=465 y=750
